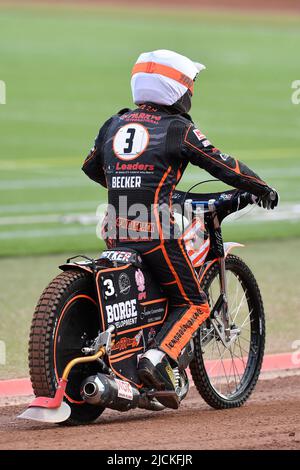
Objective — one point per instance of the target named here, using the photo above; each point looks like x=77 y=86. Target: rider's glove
x=269 y=200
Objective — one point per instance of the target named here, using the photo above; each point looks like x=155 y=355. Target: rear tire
x=65 y=319
x=202 y=372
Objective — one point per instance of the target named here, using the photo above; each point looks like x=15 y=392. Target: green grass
x=67 y=70
x=23 y=279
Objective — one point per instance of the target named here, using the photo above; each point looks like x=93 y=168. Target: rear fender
x=228 y=246
x=81 y=267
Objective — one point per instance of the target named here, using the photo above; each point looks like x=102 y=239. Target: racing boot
x=155 y=371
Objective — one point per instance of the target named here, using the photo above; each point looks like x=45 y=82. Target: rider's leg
x=188 y=309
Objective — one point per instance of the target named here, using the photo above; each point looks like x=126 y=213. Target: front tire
x=66 y=319
x=226 y=378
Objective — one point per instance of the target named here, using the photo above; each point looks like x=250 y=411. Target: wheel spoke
x=221 y=361
x=241 y=348
x=207 y=334
x=245 y=339
x=239 y=307
x=248 y=322
x=234 y=368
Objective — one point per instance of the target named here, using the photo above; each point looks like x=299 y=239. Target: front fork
x=223 y=281
x=223 y=287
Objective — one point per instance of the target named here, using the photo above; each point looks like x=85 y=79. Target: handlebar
x=223 y=203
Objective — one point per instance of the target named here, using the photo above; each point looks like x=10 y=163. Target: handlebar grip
x=272 y=195
x=249 y=198
x=253 y=199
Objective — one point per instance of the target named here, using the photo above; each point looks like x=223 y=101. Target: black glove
x=269 y=200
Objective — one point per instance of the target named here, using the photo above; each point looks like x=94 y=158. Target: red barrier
x=272 y=362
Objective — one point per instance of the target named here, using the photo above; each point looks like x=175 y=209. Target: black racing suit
x=140 y=156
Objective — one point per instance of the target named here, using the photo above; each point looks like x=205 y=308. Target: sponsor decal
x=226 y=197
x=124 y=283
x=183 y=328
x=155 y=314
x=199 y=134
x=118 y=182
x=140 y=280
x=124 y=389
x=224 y=156
x=206 y=143
x=140 y=283
x=171 y=375
x=145 y=117
x=135 y=225
x=134 y=167
x=186 y=81
x=122 y=313
x=124 y=256
x=126 y=343
x=149 y=108
x=151 y=334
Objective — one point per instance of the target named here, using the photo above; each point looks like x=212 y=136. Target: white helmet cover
x=163 y=77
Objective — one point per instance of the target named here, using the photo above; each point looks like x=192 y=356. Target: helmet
x=163 y=77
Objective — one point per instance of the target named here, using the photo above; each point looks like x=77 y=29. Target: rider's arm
x=202 y=153
x=93 y=164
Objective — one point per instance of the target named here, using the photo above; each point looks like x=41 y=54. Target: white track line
x=44 y=233
x=43 y=183
x=40 y=207
x=83 y=219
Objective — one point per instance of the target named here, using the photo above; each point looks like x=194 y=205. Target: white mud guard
x=228 y=246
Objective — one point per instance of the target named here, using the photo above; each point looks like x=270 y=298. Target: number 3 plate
x=130 y=141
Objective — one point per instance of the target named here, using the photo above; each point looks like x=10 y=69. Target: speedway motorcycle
x=97 y=317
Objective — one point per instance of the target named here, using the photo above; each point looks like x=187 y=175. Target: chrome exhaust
x=90 y=389
x=93 y=391
x=110 y=392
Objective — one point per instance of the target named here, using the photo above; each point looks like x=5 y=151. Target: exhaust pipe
x=91 y=392
x=109 y=392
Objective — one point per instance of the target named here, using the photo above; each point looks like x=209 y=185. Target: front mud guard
x=228 y=246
